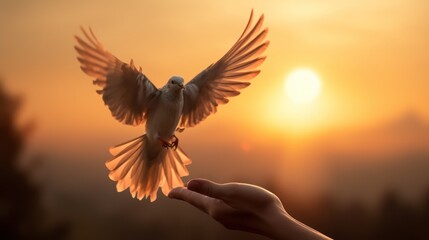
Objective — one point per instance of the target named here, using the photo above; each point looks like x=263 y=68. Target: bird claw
x=172 y=145
x=164 y=143
x=175 y=143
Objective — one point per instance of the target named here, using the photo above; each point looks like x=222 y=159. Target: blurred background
x=352 y=162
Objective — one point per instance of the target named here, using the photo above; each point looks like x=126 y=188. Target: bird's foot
x=175 y=142
x=164 y=143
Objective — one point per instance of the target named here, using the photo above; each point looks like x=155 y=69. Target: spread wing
x=126 y=91
x=226 y=77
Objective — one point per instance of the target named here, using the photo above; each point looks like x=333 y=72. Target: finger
x=197 y=200
x=238 y=195
x=211 y=189
x=228 y=216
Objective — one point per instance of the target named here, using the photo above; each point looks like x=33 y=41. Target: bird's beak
x=181 y=85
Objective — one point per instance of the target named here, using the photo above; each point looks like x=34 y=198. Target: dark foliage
x=392 y=218
x=22 y=215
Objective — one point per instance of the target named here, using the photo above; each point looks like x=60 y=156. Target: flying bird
x=155 y=160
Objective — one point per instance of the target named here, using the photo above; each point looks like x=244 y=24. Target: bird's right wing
x=226 y=77
x=127 y=92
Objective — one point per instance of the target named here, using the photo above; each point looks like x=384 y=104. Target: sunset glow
x=338 y=111
x=302 y=86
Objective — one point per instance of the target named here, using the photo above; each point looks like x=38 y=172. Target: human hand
x=244 y=207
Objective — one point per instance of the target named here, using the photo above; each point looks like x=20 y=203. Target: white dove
x=155 y=160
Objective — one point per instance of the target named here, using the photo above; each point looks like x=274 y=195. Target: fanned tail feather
x=131 y=168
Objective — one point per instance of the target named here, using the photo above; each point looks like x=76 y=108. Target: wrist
x=285 y=227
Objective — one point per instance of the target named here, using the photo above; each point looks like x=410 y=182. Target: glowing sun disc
x=302 y=85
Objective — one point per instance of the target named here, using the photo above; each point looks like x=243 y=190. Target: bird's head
x=175 y=83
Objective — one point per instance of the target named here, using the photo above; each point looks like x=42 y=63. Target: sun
x=302 y=85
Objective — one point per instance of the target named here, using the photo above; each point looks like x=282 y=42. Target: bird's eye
x=172 y=82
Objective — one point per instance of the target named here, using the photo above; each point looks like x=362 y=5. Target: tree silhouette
x=22 y=215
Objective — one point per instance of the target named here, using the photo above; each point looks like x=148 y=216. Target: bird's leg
x=175 y=142
x=164 y=143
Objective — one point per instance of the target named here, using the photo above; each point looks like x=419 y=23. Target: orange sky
x=372 y=57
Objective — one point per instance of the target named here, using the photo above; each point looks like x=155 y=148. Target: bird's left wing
x=127 y=92
x=224 y=79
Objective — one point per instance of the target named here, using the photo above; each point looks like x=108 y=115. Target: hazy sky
x=372 y=58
